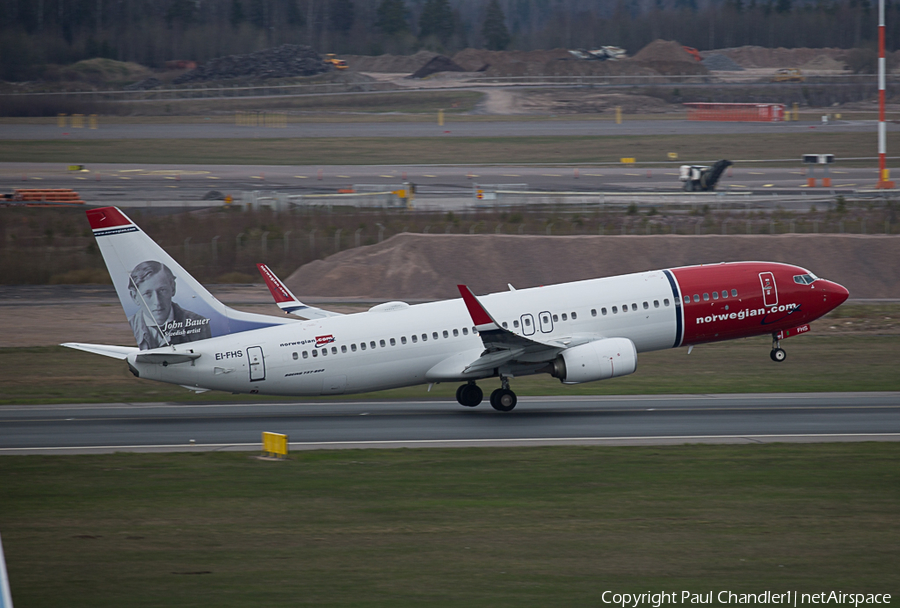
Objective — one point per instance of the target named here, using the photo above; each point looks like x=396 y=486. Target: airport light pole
x=883 y=175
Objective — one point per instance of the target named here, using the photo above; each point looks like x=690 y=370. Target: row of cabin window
x=715 y=296
x=383 y=343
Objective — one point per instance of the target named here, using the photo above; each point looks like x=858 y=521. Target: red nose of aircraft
x=835 y=294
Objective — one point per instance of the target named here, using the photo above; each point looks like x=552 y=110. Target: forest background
x=36 y=35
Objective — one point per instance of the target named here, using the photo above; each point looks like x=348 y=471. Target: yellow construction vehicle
x=339 y=64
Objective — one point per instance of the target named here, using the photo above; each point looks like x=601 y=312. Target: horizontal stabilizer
x=287 y=301
x=107 y=350
x=166 y=358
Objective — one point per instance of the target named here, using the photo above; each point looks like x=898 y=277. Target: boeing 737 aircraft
x=577 y=332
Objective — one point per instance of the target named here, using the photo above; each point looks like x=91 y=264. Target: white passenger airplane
x=577 y=332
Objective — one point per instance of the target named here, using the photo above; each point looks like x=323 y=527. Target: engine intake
x=598 y=360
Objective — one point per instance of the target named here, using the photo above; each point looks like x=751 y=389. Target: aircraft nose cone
x=838 y=293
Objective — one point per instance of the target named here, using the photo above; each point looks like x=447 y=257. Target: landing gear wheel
x=469 y=395
x=503 y=400
x=778 y=355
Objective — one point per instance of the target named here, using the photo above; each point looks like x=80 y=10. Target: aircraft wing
x=502 y=345
x=287 y=301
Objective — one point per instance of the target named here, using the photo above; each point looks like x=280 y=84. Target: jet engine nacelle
x=598 y=360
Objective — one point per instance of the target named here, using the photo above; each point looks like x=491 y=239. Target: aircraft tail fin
x=164 y=304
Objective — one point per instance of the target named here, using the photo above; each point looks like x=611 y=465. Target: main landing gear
x=777 y=355
x=502 y=399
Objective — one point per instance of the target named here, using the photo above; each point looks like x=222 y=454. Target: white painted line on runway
x=519 y=442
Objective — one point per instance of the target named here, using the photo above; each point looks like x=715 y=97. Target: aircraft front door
x=770 y=291
x=527 y=325
x=257 y=364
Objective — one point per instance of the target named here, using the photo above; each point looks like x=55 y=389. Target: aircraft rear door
x=257 y=363
x=770 y=291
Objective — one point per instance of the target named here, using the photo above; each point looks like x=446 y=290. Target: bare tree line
x=34 y=33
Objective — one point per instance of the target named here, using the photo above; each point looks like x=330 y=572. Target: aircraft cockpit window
x=804 y=279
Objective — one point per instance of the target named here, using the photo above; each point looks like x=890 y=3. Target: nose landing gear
x=777 y=355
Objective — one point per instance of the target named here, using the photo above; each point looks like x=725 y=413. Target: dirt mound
x=421 y=266
x=824 y=62
x=285 y=61
x=389 y=64
x=437 y=64
x=761 y=57
x=721 y=63
x=664 y=50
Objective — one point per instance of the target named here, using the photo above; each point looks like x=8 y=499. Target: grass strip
x=436 y=150
x=815 y=363
x=467 y=527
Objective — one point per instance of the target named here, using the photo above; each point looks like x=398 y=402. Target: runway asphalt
x=562 y=420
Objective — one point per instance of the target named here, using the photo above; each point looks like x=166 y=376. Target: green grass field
x=815 y=363
x=435 y=150
x=467 y=527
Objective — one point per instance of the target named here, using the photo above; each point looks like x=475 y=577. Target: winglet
x=480 y=316
x=287 y=301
